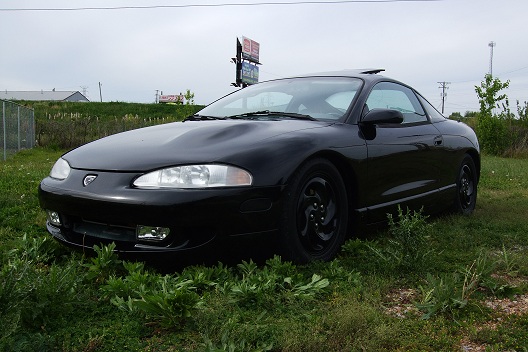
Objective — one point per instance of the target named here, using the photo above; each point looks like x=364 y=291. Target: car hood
x=181 y=143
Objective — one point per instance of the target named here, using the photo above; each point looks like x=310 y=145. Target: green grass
x=105 y=111
x=66 y=125
x=54 y=300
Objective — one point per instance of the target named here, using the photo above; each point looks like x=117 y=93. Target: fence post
x=4 y=130
x=32 y=132
x=18 y=127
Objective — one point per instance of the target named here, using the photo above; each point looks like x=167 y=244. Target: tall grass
x=52 y=299
x=66 y=125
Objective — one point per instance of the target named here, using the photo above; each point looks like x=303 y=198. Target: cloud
x=134 y=52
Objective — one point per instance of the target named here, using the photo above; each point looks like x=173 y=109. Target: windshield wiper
x=198 y=117
x=256 y=114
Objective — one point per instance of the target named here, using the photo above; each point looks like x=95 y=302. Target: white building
x=43 y=95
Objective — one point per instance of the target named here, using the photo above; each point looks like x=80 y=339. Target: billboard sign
x=173 y=98
x=250 y=73
x=250 y=50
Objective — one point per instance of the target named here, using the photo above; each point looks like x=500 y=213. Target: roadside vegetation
x=66 y=125
x=502 y=130
x=443 y=283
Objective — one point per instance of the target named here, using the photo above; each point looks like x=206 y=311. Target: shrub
x=493 y=134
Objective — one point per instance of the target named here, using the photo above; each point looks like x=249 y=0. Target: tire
x=315 y=213
x=466 y=187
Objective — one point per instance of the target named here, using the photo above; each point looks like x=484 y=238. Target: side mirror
x=382 y=116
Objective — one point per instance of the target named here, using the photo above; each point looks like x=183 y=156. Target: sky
x=126 y=50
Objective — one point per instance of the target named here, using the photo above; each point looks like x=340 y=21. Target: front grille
x=106 y=231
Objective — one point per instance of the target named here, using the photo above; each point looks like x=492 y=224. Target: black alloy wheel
x=316 y=213
x=466 y=187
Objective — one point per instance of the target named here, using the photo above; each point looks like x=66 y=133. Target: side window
x=388 y=95
x=434 y=115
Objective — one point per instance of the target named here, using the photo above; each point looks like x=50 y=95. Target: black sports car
x=304 y=160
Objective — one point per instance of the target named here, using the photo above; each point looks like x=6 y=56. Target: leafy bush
x=493 y=134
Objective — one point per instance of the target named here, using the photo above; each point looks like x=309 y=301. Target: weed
x=409 y=247
x=265 y=287
x=13 y=296
x=170 y=306
x=452 y=291
x=206 y=278
x=229 y=345
x=442 y=294
x=166 y=299
x=104 y=264
x=508 y=262
x=136 y=283
x=36 y=250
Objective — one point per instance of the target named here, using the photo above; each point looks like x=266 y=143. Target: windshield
x=321 y=98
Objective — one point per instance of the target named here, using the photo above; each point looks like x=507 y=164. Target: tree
x=189 y=97
x=492 y=129
x=455 y=116
x=488 y=94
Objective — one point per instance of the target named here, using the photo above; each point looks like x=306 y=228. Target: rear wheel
x=466 y=184
x=315 y=213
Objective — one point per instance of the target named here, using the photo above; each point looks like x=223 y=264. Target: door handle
x=438 y=140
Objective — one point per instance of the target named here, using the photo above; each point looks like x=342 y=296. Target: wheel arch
x=476 y=160
x=348 y=173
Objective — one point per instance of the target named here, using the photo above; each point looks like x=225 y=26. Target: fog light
x=53 y=217
x=151 y=233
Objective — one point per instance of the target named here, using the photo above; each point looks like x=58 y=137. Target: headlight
x=60 y=170
x=195 y=176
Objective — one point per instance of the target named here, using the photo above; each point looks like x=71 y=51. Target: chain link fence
x=17 y=128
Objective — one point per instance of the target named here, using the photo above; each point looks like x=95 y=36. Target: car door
x=402 y=157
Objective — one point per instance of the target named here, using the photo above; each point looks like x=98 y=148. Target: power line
x=268 y=3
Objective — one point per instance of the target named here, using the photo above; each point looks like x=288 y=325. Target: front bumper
x=109 y=210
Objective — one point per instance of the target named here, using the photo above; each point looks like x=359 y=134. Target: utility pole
x=444 y=87
x=100 y=93
x=491 y=45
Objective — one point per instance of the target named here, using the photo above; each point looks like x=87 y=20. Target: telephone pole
x=444 y=87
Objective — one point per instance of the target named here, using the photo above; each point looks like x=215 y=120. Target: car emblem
x=89 y=179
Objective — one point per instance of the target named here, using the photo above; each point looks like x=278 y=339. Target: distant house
x=42 y=95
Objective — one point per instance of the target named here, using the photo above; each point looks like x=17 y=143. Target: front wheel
x=315 y=213
x=466 y=184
